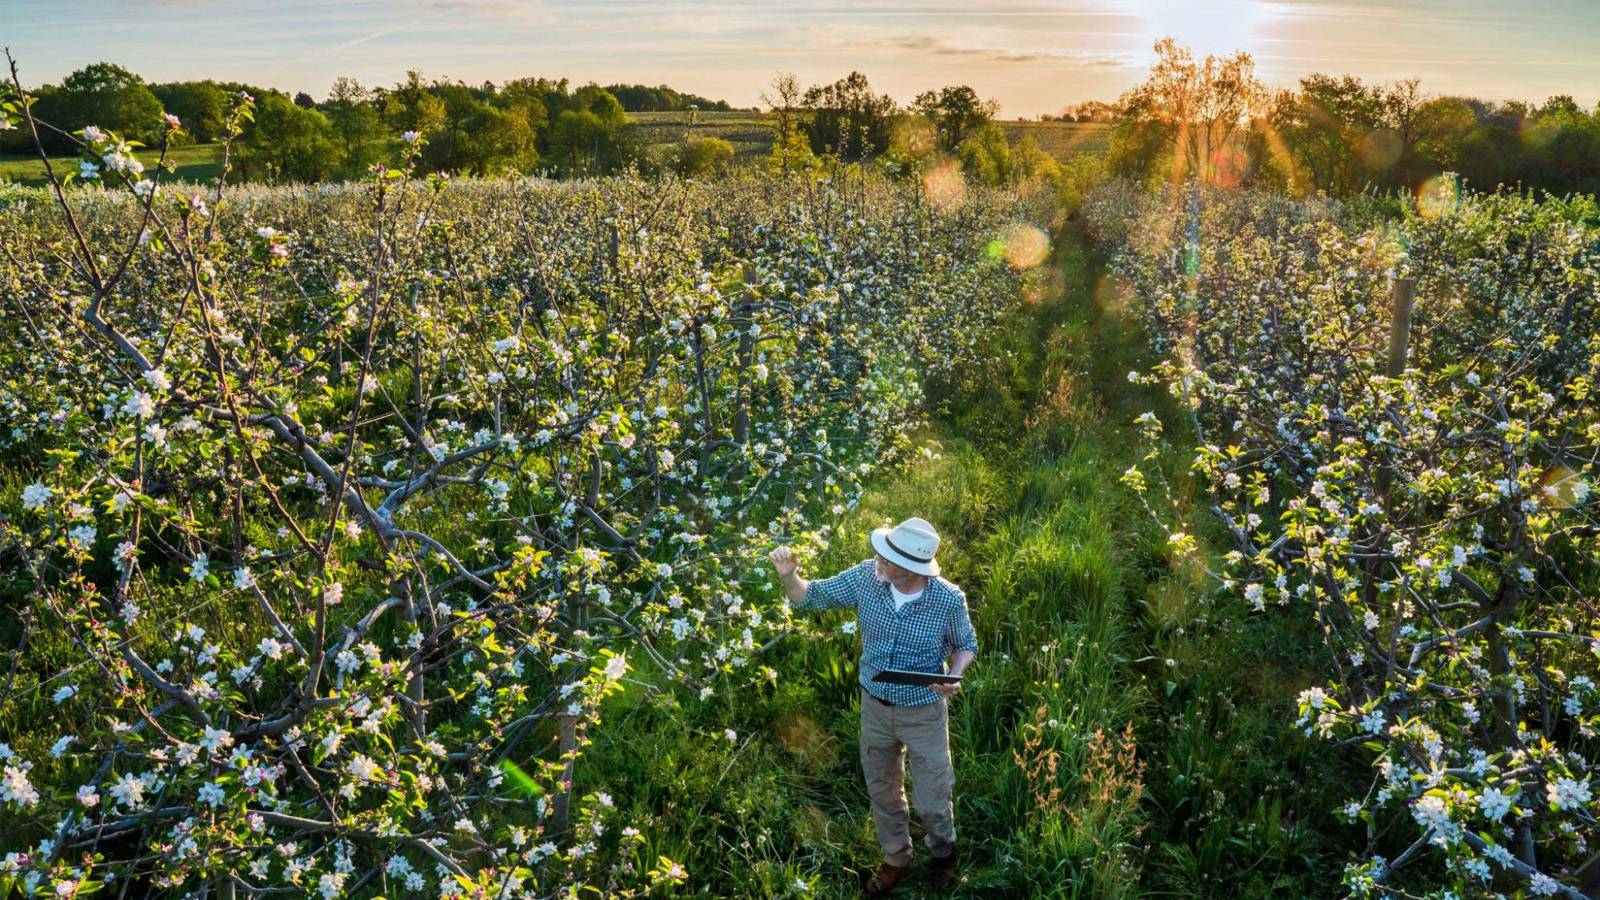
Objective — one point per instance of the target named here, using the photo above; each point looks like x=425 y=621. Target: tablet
x=898 y=676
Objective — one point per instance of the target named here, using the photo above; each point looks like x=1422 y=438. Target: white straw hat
x=909 y=545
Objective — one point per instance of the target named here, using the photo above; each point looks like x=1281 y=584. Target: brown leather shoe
x=887 y=876
x=942 y=872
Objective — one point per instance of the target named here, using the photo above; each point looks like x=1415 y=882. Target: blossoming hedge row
x=325 y=510
x=1436 y=517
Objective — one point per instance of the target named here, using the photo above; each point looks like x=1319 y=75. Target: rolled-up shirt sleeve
x=838 y=592
x=959 y=633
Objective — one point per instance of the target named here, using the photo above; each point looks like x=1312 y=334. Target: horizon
x=1033 y=57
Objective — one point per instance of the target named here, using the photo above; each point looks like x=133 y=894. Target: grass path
x=1122 y=732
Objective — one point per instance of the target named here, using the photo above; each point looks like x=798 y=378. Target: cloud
x=945 y=46
x=1415 y=14
x=526 y=12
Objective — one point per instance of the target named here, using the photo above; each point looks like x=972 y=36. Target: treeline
x=1340 y=135
x=642 y=98
x=526 y=124
x=536 y=125
x=846 y=121
x=1087 y=111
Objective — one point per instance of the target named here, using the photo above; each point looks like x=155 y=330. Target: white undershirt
x=900 y=600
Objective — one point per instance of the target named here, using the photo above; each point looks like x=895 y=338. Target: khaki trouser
x=888 y=733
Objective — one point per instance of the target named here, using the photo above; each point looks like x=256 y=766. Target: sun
x=1205 y=26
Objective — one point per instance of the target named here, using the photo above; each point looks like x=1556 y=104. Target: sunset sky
x=1033 y=57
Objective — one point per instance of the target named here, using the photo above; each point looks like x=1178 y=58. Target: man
x=910 y=619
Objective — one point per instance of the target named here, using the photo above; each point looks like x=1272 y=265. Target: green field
x=749 y=132
x=1062 y=140
x=198 y=162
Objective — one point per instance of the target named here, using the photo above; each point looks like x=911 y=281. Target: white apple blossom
x=35 y=496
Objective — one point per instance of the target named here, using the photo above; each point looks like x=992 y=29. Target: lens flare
x=914 y=137
x=943 y=185
x=800 y=734
x=1380 y=149
x=1024 y=246
x=1438 y=196
x=1229 y=166
x=1562 y=488
x=1114 y=293
x=520 y=778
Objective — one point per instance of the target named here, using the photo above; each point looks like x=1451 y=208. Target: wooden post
x=1402 y=297
x=563 y=800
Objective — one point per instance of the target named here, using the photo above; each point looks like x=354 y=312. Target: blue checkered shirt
x=917 y=638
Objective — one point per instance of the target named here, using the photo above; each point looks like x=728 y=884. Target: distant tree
x=1559 y=105
x=1141 y=150
x=477 y=138
x=1029 y=160
x=353 y=111
x=1342 y=136
x=661 y=98
x=288 y=143
x=1090 y=111
x=199 y=105
x=597 y=100
x=102 y=94
x=1455 y=119
x=986 y=156
x=527 y=103
x=578 y=141
x=452 y=142
x=1563 y=148
x=1510 y=114
x=956 y=112
x=304 y=100
x=552 y=95
x=847 y=119
x=503 y=140
x=584 y=142
x=698 y=156
x=590 y=137
x=537 y=101
x=1326 y=127
x=412 y=106
x=1193 y=109
x=785 y=100
x=1404 y=110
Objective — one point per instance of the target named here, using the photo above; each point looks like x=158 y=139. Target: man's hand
x=788 y=566
x=784 y=560
x=959 y=661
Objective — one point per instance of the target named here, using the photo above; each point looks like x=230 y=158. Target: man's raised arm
x=835 y=592
x=788 y=566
